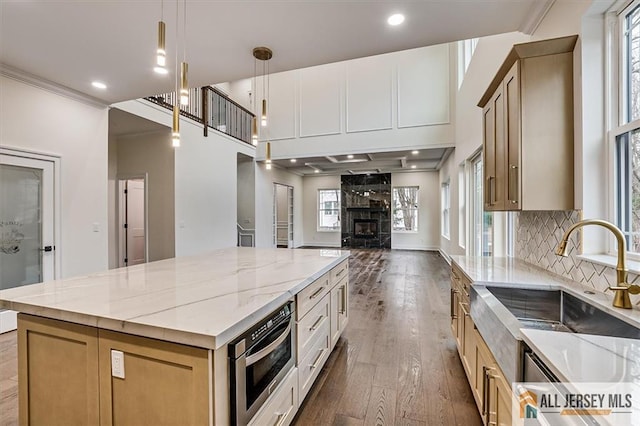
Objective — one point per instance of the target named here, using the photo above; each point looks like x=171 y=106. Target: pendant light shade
x=184 y=84
x=161 y=53
x=175 y=131
x=268 y=156
x=263 y=118
x=254 y=131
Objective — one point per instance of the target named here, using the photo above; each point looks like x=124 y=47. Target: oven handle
x=253 y=358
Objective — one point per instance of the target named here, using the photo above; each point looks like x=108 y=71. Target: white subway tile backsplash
x=538 y=233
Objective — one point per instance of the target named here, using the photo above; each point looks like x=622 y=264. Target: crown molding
x=50 y=86
x=535 y=16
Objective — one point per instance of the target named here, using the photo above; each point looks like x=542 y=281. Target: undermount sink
x=558 y=310
x=499 y=313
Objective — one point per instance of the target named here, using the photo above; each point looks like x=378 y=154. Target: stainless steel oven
x=259 y=360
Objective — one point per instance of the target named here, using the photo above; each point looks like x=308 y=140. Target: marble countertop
x=572 y=357
x=203 y=300
x=586 y=358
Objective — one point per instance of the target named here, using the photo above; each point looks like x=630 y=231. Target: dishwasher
x=535 y=371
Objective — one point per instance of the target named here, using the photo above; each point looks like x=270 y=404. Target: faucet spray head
x=562 y=249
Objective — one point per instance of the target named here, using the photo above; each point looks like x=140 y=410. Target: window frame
x=417 y=210
x=445 y=209
x=320 y=210
x=619 y=104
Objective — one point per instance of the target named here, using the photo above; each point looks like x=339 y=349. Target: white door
x=136 y=238
x=27 y=246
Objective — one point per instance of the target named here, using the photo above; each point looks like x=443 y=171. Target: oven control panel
x=275 y=319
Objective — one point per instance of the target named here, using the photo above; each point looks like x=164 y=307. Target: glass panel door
x=26 y=221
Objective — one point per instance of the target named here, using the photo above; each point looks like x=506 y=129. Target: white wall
x=427 y=236
x=246 y=193
x=400 y=100
x=264 y=204
x=311 y=185
x=153 y=155
x=38 y=120
x=112 y=228
x=205 y=183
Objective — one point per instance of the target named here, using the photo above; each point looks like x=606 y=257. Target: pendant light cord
x=184 y=33
x=177 y=100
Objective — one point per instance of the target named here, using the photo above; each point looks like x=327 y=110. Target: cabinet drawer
x=311 y=325
x=463 y=282
x=309 y=367
x=339 y=272
x=281 y=406
x=307 y=298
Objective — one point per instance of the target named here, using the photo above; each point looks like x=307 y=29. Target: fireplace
x=365 y=228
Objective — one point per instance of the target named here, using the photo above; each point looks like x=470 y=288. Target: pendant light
x=254 y=131
x=175 y=130
x=264 y=54
x=268 y=156
x=161 y=52
x=184 y=66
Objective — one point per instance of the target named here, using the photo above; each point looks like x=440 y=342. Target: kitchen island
x=169 y=324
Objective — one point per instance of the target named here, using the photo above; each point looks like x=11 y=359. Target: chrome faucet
x=622 y=289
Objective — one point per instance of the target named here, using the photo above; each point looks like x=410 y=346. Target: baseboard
x=321 y=245
x=8 y=321
x=445 y=256
x=414 y=248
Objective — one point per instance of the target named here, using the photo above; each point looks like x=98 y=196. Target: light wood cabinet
x=164 y=383
x=490 y=389
x=57 y=372
x=67 y=371
x=528 y=125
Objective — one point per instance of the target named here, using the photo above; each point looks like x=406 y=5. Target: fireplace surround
x=366 y=210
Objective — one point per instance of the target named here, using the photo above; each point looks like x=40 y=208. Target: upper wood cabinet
x=528 y=129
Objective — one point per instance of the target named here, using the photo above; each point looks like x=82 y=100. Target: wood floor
x=396 y=363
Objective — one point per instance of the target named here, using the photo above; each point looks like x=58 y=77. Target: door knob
x=47 y=248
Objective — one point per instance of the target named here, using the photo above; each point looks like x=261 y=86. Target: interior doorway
x=132 y=206
x=282 y=215
x=27 y=223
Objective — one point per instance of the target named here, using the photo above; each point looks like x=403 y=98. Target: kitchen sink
x=499 y=313
x=558 y=310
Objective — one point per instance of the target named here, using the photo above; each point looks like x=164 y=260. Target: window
x=446 y=204
x=328 y=209
x=405 y=208
x=462 y=206
x=627 y=134
x=481 y=237
x=465 y=52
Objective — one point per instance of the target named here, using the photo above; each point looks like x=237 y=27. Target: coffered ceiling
x=72 y=43
x=380 y=162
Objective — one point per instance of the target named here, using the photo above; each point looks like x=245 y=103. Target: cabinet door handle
x=489 y=376
x=282 y=417
x=340 y=273
x=513 y=184
x=453 y=304
x=317 y=361
x=317 y=323
x=343 y=299
x=317 y=293
x=484 y=391
x=487 y=191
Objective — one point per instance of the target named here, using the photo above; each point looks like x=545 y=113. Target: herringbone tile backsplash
x=538 y=233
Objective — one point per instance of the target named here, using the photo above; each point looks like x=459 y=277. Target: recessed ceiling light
x=415 y=152
x=161 y=70
x=316 y=171
x=350 y=156
x=413 y=166
x=98 y=85
x=293 y=160
x=395 y=19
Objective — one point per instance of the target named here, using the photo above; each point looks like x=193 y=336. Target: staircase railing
x=213 y=109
